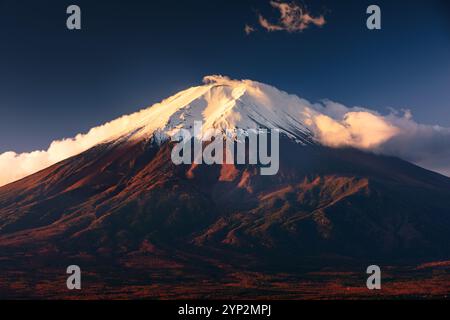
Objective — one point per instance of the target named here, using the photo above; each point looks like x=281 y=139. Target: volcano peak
x=225 y=104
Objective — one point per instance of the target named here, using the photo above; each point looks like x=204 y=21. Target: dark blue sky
x=55 y=83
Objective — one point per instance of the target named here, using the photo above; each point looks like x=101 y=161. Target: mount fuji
x=223 y=104
x=125 y=213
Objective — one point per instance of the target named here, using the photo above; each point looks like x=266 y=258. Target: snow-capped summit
x=224 y=104
x=220 y=103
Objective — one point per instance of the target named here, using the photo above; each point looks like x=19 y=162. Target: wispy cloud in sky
x=292 y=18
x=249 y=29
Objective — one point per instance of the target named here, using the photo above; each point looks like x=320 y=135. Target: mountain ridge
x=122 y=206
x=71 y=200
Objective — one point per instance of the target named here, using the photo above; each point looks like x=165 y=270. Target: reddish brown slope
x=323 y=201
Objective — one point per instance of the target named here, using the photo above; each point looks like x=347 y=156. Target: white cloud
x=15 y=166
x=425 y=145
x=396 y=134
x=336 y=125
x=362 y=130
